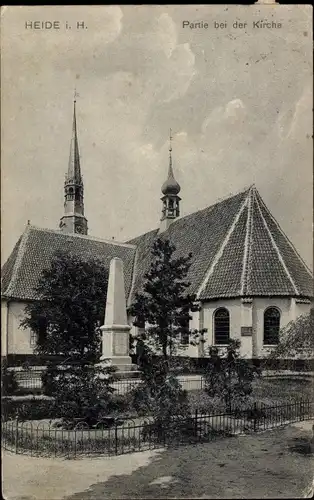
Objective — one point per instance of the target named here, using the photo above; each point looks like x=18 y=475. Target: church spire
x=74 y=168
x=170 y=199
x=73 y=220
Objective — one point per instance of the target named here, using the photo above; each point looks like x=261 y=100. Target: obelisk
x=116 y=331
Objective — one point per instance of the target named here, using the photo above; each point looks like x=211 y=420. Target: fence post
x=16 y=435
x=255 y=416
x=196 y=422
x=75 y=442
x=116 y=439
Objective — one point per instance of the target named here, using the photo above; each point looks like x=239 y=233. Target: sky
x=238 y=101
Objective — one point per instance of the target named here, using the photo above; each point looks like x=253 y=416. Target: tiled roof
x=238 y=250
x=35 y=249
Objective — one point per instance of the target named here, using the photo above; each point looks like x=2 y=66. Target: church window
x=271 y=326
x=185 y=336
x=33 y=339
x=78 y=228
x=70 y=194
x=201 y=319
x=185 y=328
x=221 y=326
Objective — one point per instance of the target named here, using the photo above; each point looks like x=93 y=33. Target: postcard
x=157 y=279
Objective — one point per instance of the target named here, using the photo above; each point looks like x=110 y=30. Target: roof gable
x=8 y=267
x=238 y=249
x=296 y=267
x=201 y=233
x=36 y=248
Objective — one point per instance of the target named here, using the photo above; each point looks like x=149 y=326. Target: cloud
x=180 y=73
x=166 y=33
x=294 y=122
x=234 y=110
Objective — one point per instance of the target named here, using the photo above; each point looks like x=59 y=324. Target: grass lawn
x=283 y=388
x=270 y=391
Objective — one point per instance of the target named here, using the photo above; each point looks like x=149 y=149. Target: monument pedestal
x=115 y=344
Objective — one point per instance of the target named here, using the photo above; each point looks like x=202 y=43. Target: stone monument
x=116 y=331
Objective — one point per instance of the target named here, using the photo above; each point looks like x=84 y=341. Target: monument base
x=117 y=360
x=123 y=365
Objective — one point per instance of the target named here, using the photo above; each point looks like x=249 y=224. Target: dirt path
x=274 y=464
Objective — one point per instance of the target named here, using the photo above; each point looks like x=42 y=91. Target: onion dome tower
x=170 y=199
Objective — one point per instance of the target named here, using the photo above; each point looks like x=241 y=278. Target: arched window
x=33 y=338
x=271 y=326
x=221 y=326
x=185 y=333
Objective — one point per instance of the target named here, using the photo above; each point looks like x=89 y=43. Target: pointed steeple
x=73 y=220
x=170 y=189
x=74 y=168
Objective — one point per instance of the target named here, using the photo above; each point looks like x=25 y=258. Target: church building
x=247 y=275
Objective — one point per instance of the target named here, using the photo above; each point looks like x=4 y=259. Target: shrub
x=8 y=380
x=81 y=392
x=29 y=409
x=229 y=378
x=159 y=394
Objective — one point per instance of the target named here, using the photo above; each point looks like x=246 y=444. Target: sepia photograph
x=157 y=320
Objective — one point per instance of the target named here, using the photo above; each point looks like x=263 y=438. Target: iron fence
x=116 y=437
x=30 y=380
x=188 y=383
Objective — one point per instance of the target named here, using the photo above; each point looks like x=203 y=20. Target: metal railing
x=31 y=380
x=114 y=437
x=188 y=383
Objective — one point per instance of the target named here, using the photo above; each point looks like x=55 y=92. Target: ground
x=274 y=464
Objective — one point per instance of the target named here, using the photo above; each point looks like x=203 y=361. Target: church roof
x=35 y=249
x=238 y=249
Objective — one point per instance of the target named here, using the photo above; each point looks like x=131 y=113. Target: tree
x=164 y=307
x=164 y=304
x=71 y=308
x=228 y=376
x=66 y=319
x=296 y=339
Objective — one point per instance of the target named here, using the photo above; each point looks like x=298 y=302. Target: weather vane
x=170 y=139
x=76 y=94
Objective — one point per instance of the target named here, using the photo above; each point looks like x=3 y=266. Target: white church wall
x=302 y=308
x=19 y=340
x=4 y=327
